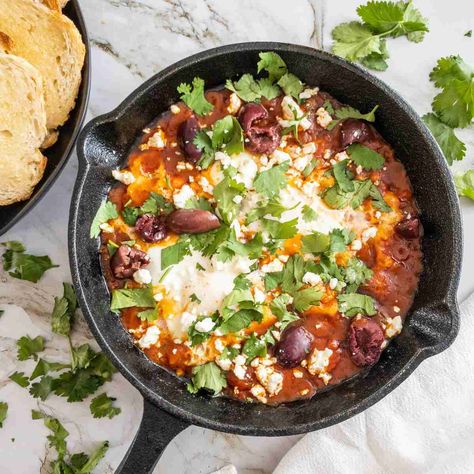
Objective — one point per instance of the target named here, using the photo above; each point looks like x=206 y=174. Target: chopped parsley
x=193 y=96
x=3 y=413
x=20 y=378
x=106 y=212
x=306 y=298
x=251 y=90
x=351 y=304
x=63 y=311
x=349 y=112
x=28 y=348
x=365 y=157
x=254 y=347
x=102 y=406
x=465 y=184
x=270 y=182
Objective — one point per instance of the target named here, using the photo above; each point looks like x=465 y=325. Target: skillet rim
x=448 y=302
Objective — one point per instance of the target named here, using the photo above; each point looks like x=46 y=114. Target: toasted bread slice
x=22 y=128
x=57 y=5
x=50 y=42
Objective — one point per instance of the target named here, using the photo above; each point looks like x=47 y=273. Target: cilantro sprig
x=207 y=376
x=3 y=412
x=193 y=96
x=365 y=40
x=22 y=265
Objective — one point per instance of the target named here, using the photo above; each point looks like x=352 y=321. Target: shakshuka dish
x=263 y=241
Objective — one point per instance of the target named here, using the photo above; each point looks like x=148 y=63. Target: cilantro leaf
x=293 y=274
x=20 y=379
x=208 y=376
x=395 y=19
x=43 y=367
x=306 y=298
x=377 y=199
x=340 y=239
x=315 y=243
x=254 y=347
x=224 y=193
x=335 y=198
x=349 y=112
x=77 y=385
x=365 y=157
x=57 y=438
x=227 y=135
x=308 y=214
x=130 y=297
x=174 y=253
x=251 y=90
x=43 y=388
x=377 y=61
x=270 y=182
x=3 y=412
x=279 y=309
x=343 y=176
x=281 y=230
x=102 y=406
x=62 y=317
x=291 y=85
x=240 y=320
x=194 y=96
x=354 y=41
x=273 y=64
x=28 y=348
x=465 y=184
x=351 y=304
x=88 y=463
x=455 y=104
x=106 y=211
x=453 y=148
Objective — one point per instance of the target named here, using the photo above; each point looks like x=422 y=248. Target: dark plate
x=59 y=153
x=432 y=323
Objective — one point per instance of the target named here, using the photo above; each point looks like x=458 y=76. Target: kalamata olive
x=127 y=260
x=192 y=221
x=354 y=131
x=408 y=228
x=151 y=228
x=186 y=133
x=365 y=341
x=261 y=138
x=294 y=345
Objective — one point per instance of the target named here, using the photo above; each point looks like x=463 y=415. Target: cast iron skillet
x=433 y=321
x=59 y=153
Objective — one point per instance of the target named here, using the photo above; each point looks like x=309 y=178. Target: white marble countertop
x=131 y=40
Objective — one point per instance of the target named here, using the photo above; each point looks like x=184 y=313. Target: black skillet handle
x=156 y=430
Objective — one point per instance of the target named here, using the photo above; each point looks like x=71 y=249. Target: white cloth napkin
x=426 y=425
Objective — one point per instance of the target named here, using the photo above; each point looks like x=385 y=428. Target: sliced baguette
x=51 y=43
x=57 y=5
x=22 y=128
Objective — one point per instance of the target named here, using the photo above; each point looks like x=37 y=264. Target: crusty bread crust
x=22 y=128
x=50 y=42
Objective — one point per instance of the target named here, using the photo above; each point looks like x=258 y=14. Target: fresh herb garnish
x=20 y=378
x=102 y=406
x=131 y=297
x=270 y=182
x=251 y=90
x=308 y=214
x=254 y=347
x=224 y=193
x=28 y=348
x=315 y=243
x=67 y=463
x=306 y=298
x=465 y=184
x=63 y=311
x=24 y=266
x=351 y=304
x=208 y=376
x=106 y=211
x=3 y=412
x=193 y=96
x=365 y=157
x=366 y=41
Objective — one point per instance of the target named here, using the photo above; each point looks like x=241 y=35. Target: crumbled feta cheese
x=186 y=320
x=378 y=214
x=259 y=296
x=318 y=361
x=175 y=109
x=240 y=371
x=291 y=110
x=150 y=337
x=359 y=169
x=307 y=93
x=271 y=380
x=219 y=345
x=327 y=154
x=356 y=245
x=259 y=393
x=309 y=148
x=157 y=140
x=393 y=326
x=369 y=233
x=205 y=325
x=311 y=278
x=341 y=156
x=158 y=297
x=106 y=227
x=234 y=104
x=310 y=188
x=142 y=276
x=297 y=374
x=301 y=162
x=205 y=185
x=333 y=283
x=279 y=156
x=396 y=309
x=276 y=335
x=273 y=266
x=325 y=377
x=224 y=364
x=283 y=258
x=181 y=196
x=125 y=177
x=240 y=360
x=237 y=199
x=323 y=117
